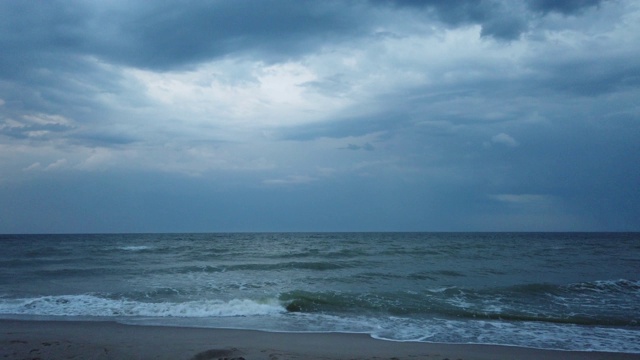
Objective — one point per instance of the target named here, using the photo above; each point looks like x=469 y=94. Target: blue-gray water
x=568 y=291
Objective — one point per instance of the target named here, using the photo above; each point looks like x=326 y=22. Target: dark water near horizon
x=568 y=291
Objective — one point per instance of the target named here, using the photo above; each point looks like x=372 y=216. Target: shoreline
x=27 y=339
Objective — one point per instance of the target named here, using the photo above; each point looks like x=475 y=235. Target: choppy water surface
x=568 y=291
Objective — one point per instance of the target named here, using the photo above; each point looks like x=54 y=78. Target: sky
x=293 y=115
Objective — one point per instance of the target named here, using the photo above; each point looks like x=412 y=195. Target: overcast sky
x=289 y=115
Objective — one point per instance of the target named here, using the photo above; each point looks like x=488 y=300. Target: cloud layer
x=308 y=115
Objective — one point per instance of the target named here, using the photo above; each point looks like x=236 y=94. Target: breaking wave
x=92 y=305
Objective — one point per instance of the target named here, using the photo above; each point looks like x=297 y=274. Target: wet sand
x=108 y=340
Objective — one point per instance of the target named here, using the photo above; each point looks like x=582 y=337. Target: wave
x=315 y=265
x=346 y=253
x=251 y=314
x=279 y=266
x=448 y=314
x=617 y=303
x=608 y=286
x=93 y=305
x=135 y=247
x=561 y=304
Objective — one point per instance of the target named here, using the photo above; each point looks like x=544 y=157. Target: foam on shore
x=109 y=340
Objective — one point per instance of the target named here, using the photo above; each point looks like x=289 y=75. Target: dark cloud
x=167 y=34
x=40 y=34
x=504 y=27
x=495 y=17
x=505 y=20
x=367 y=147
x=347 y=126
x=161 y=36
x=170 y=34
x=566 y=7
x=591 y=78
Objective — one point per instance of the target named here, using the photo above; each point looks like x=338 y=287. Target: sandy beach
x=108 y=340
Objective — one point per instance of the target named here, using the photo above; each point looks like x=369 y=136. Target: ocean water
x=567 y=291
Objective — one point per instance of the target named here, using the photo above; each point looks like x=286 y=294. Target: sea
x=564 y=291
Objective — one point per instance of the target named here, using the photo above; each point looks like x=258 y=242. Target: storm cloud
x=237 y=115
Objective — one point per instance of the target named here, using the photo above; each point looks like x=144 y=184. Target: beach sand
x=108 y=340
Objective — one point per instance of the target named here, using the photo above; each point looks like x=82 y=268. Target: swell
x=257 y=267
x=561 y=304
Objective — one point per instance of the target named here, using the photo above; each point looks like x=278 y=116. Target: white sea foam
x=90 y=305
x=526 y=334
x=134 y=247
